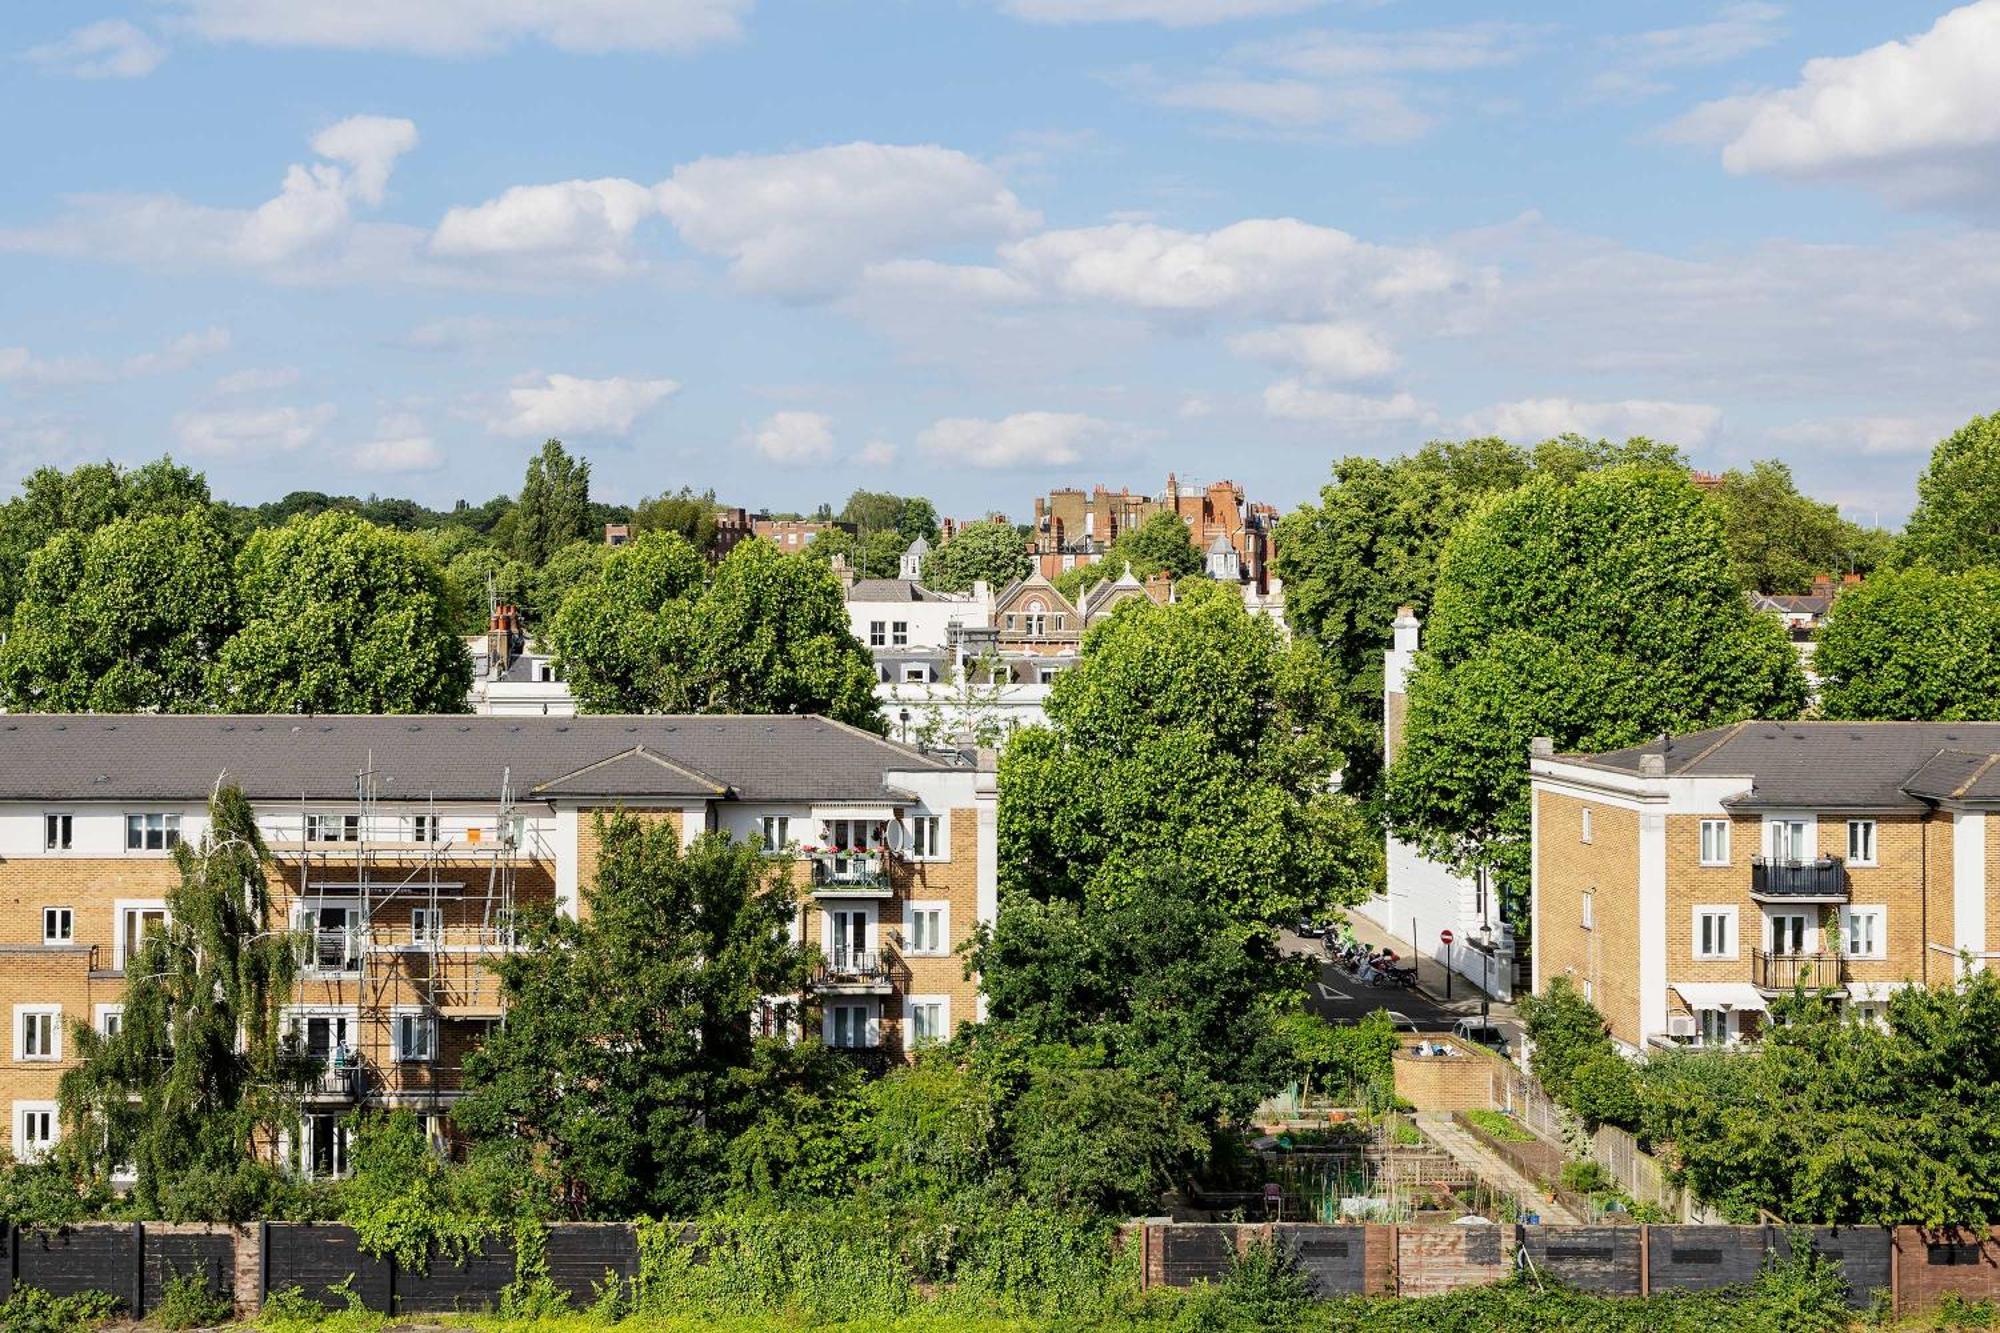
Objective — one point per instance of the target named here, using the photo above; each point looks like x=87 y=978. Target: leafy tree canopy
x=1779 y=540
x=1598 y=613
x=340 y=616
x=196 y=1077
x=1913 y=644
x=554 y=508
x=82 y=500
x=1192 y=730
x=768 y=634
x=991 y=551
x=627 y=1057
x=1956 y=524
x=124 y=618
x=685 y=512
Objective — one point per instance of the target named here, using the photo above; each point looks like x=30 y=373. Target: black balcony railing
x=1774 y=878
x=858 y=871
x=1791 y=971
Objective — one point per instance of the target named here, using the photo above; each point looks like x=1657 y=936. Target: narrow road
x=1447 y=1134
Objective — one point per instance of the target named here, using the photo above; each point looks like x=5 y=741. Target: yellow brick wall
x=955 y=882
x=1691 y=884
x=590 y=843
x=1607 y=956
x=34 y=975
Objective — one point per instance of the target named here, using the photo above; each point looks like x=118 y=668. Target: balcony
x=856 y=972
x=332 y=951
x=1779 y=881
x=1780 y=973
x=849 y=875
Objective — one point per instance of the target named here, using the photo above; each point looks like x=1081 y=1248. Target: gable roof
x=1831 y=765
x=176 y=758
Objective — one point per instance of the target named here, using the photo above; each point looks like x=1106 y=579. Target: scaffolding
x=400 y=915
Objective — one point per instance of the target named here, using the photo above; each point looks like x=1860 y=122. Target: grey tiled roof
x=895 y=590
x=51 y=757
x=1857 y=765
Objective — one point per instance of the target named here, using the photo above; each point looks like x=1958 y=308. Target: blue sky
x=974 y=248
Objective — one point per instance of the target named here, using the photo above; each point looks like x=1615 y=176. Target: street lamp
x=904 y=717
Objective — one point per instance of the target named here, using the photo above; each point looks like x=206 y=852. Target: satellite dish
x=896 y=835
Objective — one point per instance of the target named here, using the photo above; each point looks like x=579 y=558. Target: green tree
x=196 y=1077
x=1373 y=542
x=1192 y=735
x=627 y=1058
x=685 y=512
x=1779 y=539
x=1159 y=545
x=918 y=518
x=875 y=511
x=53 y=501
x=1597 y=613
x=554 y=508
x=124 y=618
x=567 y=567
x=1137 y=1140
x=775 y=638
x=1956 y=524
x=340 y=616
x=994 y=552
x=626 y=638
x=1913 y=644
x=769 y=634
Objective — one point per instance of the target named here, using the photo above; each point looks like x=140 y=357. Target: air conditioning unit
x=1680 y=1025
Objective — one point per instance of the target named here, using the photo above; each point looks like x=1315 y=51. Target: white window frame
x=1585 y=832
x=426 y=925
x=1587 y=913
x=64 y=823
x=916 y=673
x=1870 y=833
x=101 y=1016
x=347 y=828
x=774 y=832
x=295 y=1017
x=24 y=1151
x=169 y=830
x=878 y=634
x=305 y=918
x=1880 y=915
x=871 y=1023
x=911 y=1004
x=1719 y=827
x=1808 y=848
x=425 y=828
x=871 y=940
x=404 y=1016
x=899 y=634
x=1728 y=914
x=933 y=835
x=943 y=909
x=1047 y=675
x=1724 y=1024
x=298 y=1147
x=53 y=1013
x=123 y=908
x=64 y=918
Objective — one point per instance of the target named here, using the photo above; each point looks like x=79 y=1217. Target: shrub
x=1566 y=1030
x=1604 y=1090
x=188 y=1303
x=1585 y=1176
x=32 y=1310
x=1498 y=1125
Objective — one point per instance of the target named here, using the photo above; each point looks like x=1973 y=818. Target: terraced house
x=402 y=849
x=1684 y=884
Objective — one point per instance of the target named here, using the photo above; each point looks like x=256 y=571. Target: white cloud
x=1917 y=119
x=1689 y=425
x=1026 y=439
x=876 y=453
x=1334 y=351
x=1870 y=436
x=19 y=365
x=1171 y=13
x=251 y=432
x=802 y=225
x=1293 y=400
x=306 y=231
x=257 y=381
x=401 y=445
x=794 y=437
x=1734 y=32
x=456 y=331
x=589 y=223
x=567 y=405
x=1346 y=55
x=1375 y=113
x=107 y=49
x=1279 y=267
x=470 y=27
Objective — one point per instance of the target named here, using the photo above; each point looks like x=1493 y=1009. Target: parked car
x=1310 y=929
x=1478 y=1032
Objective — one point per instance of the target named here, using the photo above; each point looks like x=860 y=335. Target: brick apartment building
x=1684 y=884
x=791 y=535
x=1074 y=527
x=401 y=848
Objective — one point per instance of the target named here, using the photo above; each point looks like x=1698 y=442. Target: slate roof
x=1854 y=765
x=54 y=757
x=896 y=590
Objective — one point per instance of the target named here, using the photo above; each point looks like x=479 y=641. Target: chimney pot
x=1542 y=747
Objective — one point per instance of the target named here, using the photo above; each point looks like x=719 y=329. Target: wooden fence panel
x=316 y=1257
x=1605 y=1260
x=1191 y=1252
x=1863 y=1253
x=1703 y=1258
x=73 y=1260
x=1430 y=1260
x=1334 y=1259
x=444 y=1286
x=582 y=1256
x=211 y=1255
